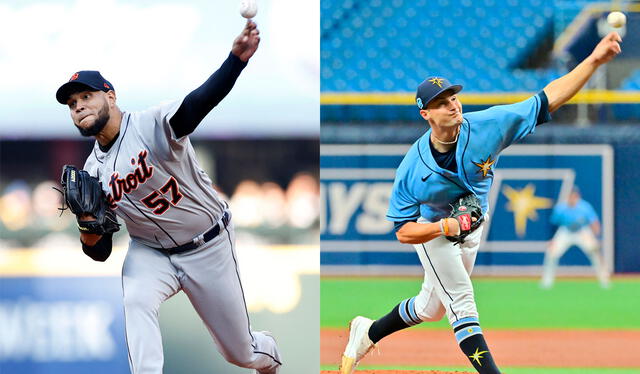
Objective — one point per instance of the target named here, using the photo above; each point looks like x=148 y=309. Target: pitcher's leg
x=430 y=303
x=212 y=282
x=403 y=315
x=427 y=304
x=148 y=278
x=447 y=275
x=424 y=307
x=447 y=269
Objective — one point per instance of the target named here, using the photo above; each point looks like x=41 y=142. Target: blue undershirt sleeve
x=543 y=114
x=203 y=99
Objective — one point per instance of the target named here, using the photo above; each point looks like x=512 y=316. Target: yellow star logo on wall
x=524 y=205
x=485 y=166
x=436 y=81
x=477 y=356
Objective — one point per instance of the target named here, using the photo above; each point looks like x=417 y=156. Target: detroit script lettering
x=130 y=182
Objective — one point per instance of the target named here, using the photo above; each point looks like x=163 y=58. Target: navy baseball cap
x=432 y=87
x=82 y=80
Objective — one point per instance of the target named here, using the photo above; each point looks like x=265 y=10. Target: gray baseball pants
x=209 y=276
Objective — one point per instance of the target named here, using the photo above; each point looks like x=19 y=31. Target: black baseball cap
x=82 y=80
x=432 y=87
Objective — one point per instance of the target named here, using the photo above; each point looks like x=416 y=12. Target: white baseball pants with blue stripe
x=447 y=287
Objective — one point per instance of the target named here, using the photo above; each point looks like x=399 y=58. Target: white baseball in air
x=248 y=8
x=617 y=19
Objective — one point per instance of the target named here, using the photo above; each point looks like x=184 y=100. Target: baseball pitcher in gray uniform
x=182 y=235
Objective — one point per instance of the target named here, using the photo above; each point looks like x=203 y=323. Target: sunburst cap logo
x=436 y=81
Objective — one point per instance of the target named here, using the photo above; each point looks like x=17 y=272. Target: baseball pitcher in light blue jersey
x=456 y=157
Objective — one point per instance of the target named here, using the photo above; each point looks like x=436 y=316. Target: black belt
x=200 y=239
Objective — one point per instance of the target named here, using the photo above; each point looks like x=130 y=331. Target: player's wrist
x=89 y=239
x=594 y=61
x=444 y=226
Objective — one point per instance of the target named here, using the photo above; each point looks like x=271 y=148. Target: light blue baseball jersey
x=574 y=217
x=423 y=188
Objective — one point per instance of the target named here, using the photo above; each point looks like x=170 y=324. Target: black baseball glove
x=463 y=210
x=83 y=195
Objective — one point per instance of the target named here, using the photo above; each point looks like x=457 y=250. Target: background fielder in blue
x=455 y=157
x=578 y=225
x=575 y=214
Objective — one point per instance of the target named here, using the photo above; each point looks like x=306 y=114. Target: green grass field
x=503 y=303
x=507 y=370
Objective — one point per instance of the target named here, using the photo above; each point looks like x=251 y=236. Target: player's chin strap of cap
x=200 y=239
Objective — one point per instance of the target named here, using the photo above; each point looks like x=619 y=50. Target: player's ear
x=425 y=114
x=111 y=97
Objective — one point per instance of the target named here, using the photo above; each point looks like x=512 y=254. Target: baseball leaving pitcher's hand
x=246 y=44
x=607 y=49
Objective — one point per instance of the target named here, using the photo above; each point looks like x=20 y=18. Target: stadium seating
x=391 y=45
x=566 y=11
x=629 y=111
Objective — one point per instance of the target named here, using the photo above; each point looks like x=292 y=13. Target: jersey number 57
x=158 y=202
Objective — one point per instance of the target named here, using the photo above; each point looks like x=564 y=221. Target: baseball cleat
x=276 y=369
x=358 y=346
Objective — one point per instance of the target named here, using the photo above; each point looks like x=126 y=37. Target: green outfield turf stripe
x=502 y=303
x=506 y=370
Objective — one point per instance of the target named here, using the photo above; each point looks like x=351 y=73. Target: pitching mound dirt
x=530 y=348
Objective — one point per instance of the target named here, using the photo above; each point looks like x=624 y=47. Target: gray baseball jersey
x=153 y=181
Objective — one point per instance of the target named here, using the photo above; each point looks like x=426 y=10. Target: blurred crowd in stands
x=262 y=212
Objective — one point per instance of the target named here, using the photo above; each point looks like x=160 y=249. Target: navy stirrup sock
x=472 y=343
x=401 y=316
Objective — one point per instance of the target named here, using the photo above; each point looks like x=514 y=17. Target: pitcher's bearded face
x=89 y=111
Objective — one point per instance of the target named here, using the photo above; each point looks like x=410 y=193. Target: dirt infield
x=529 y=348
x=398 y=372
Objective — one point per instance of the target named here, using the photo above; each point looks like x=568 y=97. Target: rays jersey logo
x=485 y=166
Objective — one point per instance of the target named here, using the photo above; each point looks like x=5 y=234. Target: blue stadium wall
x=357 y=165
